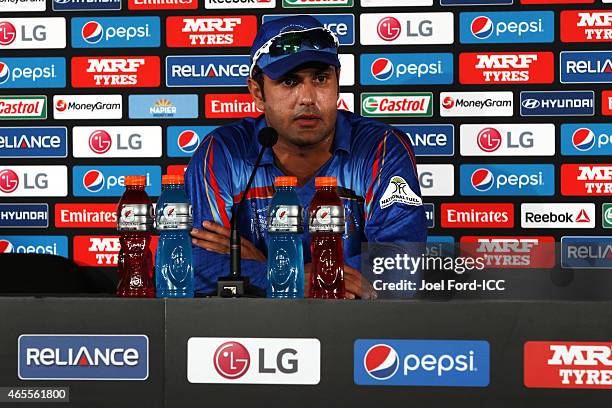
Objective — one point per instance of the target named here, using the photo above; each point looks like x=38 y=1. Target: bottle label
x=174 y=216
x=327 y=218
x=135 y=217
x=285 y=218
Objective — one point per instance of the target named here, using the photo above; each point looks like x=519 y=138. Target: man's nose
x=307 y=93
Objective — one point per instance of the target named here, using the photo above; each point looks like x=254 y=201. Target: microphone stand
x=235 y=285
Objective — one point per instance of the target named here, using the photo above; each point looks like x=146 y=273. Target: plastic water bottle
x=285 y=254
x=173 y=260
x=135 y=225
x=326 y=227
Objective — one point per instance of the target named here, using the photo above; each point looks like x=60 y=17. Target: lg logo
x=389 y=28
x=9 y=181
x=100 y=142
x=232 y=360
x=8 y=33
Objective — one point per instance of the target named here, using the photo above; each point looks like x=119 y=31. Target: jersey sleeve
x=208 y=184
x=394 y=207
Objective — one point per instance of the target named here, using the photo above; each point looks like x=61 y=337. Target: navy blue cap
x=281 y=66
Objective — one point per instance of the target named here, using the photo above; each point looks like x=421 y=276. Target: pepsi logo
x=93 y=181
x=482 y=27
x=482 y=179
x=5 y=72
x=381 y=362
x=188 y=141
x=92 y=32
x=8 y=33
x=389 y=28
x=61 y=105
x=100 y=141
x=6 y=247
x=489 y=139
x=448 y=102
x=583 y=139
x=231 y=360
x=9 y=181
x=382 y=69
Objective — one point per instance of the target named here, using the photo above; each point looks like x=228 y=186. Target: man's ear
x=256 y=93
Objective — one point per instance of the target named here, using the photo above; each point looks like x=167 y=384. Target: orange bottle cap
x=134 y=180
x=173 y=179
x=285 y=181
x=328 y=181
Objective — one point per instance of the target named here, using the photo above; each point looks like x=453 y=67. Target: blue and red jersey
x=377 y=182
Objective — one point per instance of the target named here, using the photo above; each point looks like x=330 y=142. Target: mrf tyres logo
x=83 y=357
x=506 y=68
x=115 y=72
x=586 y=26
x=563 y=364
x=211 y=31
x=586 y=179
x=441 y=363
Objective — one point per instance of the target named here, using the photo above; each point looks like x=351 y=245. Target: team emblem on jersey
x=398 y=191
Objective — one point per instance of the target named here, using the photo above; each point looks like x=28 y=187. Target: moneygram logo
x=430 y=140
x=586 y=179
x=182 y=141
x=557 y=103
x=222 y=106
x=33 y=33
x=506 y=68
x=397 y=104
x=32 y=73
x=509 y=139
x=586 y=26
x=117 y=141
x=83 y=357
x=33 y=142
x=211 y=31
x=73 y=5
x=559 y=364
x=87 y=106
x=23 y=107
x=115 y=72
x=115 y=32
x=33 y=181
x=453 y=363
x=406 y=28
x=476 y=104
x=253 y=360
x=477 y=215
x=107 y=181
x=507 y=27
x=343 y=25
x=207 y=70
x=586 y=139
x=25 y=5
x=404 y=69
x=585 y=67
x=34 y=244
x=558 y=215
x=507 y=180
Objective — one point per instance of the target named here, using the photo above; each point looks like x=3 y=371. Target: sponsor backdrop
x=508 y=108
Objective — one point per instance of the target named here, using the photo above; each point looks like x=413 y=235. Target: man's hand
x=216 y=238
x=355 y=284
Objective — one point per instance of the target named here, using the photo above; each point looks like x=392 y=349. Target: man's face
x=301 y=106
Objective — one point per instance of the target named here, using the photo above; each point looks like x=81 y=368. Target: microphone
x=234 y=285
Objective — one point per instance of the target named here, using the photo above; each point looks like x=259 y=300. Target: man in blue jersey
x=294 y=80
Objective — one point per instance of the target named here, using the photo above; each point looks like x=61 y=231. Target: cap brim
x=283 y=66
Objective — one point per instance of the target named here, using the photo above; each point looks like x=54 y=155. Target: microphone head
x=268 y=137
